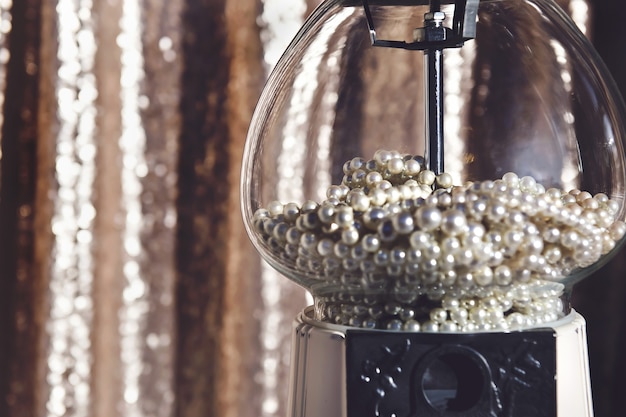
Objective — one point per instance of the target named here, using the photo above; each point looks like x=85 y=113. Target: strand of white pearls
x=519 y=307
x=394 y=227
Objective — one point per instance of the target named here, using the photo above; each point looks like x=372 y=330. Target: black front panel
x=470 y=375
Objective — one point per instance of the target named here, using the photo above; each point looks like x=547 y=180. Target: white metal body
x=318 y=368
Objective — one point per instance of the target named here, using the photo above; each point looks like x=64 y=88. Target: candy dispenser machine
x=438 y=174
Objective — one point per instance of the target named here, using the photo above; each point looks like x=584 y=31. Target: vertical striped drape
x=127 y=284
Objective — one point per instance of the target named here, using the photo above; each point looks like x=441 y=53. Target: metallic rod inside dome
x=434 y=90
x=434 y=144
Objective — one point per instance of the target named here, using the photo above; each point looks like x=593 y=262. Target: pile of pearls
x=395 y=246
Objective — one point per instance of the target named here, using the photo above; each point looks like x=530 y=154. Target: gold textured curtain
x=127 y=284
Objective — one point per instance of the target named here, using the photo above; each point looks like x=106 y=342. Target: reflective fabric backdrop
x=127 y=283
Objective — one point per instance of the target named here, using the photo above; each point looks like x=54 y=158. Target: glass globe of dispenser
x=345 y=192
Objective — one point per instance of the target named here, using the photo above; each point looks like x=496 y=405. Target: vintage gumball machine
x=438 y=174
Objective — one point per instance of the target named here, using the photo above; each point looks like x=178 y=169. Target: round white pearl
x=449 y=277
x=350 y=236
x=373 y=216
x=310 y=220
x=411 y=326
x=552 y=254
x=369 y=323
x=260 y=214
x=291 y=212
x=386 y=231
x=522 y=275
x=527 y=184
x=381 y=258
x=428 y=218
x=268 y=226
x=403 y=223
x=444 y=180
x=430 y=327
x=280 y=231
x=326 y=213
x=448 y=326
x=617 y=230
x=360 y=202
x=590 y=204
x=373 y=178
x=406 y=314
x=275 y=208
x=570 y=238
x=309 y=206
x=478 y=315
x=393 y=195
x=511 y=179
x=450 y=245
x=308 y=240
x=358 y=178
x=293 y=235
x=344 y=216
x=496 y=212
x=601 y=198
x=453 y=222
x=469 y=328
x=513 y=238
x=484 y=276
x=426 y=177
x=486 y=186
x=612 y=207
x=371 y=243
x=603 y=218
x=419 y=240
x=459 y=315
x=465 y=280
x=608 y=244
x=394 y=325
x=355 y=322
x=450 y=303
x=357 y=252
x=341 y=250
x=377 y=197
x=356 y=163
x=551 y=234
x=464 y=257
x=382 y=157
x=582 y=196
x=432 y=251
x=412 y=167
x=534 y=245
x=476 y=229
x=438 y=315
x=406 y=193
x=444 y=200
x=397 y=256
x=516 y=320
x=395 y=165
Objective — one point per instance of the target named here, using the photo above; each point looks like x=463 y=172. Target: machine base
x=340 y=371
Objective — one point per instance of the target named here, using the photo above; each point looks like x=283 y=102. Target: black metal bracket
x=434 y=35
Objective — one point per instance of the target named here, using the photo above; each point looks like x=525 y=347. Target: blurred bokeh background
x=127 y=284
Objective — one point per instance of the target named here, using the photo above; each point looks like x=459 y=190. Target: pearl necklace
x=395 y=246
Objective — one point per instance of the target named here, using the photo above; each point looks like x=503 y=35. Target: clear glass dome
x=339 y=193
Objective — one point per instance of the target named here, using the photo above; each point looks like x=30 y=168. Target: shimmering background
x=127 y=284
